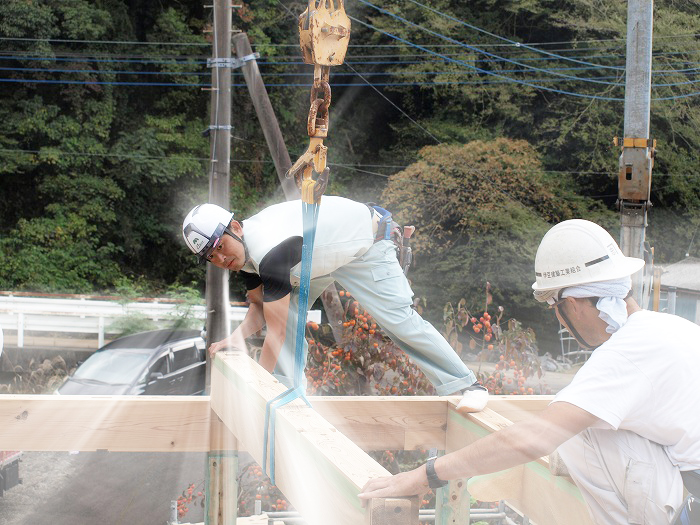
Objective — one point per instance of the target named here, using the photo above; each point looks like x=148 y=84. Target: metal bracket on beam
x=233 y=63
x=207 y=131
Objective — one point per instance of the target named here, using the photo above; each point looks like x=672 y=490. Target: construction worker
x=628 y=423
x=266 y=250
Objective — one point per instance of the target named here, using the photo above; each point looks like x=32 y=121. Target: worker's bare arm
x=252 y=323
x=519 y=443
x=254 y=319
x=275 y=313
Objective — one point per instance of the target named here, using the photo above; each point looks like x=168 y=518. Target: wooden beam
x=372 y=423
x=114 y=423
x=87 y=422
x=393 y=511
x=387 y=422
x=317 y=468
x=221 y=502
x=517 y=408
x=531 y=488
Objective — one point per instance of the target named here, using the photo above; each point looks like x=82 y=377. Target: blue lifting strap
x=384 y=227
x=310 y=220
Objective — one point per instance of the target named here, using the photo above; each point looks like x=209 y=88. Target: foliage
x=97 y=172
x=189 y=498
x=367 y=362
x=256 y=487
x=37 y=378
x=187 y=298
x=513 y=348
x=94 y=169
x=133 y=321
x=482 y=209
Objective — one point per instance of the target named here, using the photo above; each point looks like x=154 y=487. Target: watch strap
x=434 y=482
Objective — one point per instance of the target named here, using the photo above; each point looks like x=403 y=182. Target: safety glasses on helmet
x=206 y=252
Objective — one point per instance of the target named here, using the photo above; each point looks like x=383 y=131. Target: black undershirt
x=274 y=270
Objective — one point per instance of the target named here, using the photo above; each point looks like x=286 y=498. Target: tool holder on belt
x=324 y=34
x=389 y=230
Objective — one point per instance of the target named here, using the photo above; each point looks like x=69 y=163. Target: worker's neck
x=632 y=306
x=599 y=333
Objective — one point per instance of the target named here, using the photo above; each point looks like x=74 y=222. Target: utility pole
x=637 y=159
x=217 y=291
x=222 y=459
x=280 y=156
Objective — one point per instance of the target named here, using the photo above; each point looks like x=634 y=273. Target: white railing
x=91 y=315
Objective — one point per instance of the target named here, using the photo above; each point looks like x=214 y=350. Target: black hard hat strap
x=239 y=239
x=579 y=338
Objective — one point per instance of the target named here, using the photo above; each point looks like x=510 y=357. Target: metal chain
x=324 y=33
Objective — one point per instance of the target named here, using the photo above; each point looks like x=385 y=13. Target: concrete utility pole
x=217 y=291
x=222 y=460
x=637 y=159
x=280 y=156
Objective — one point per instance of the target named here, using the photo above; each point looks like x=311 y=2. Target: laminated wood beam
x=113 y=423
x=387 y=422
x=317 y=468
x=545 y=498
x=517 y=408
x=178 y=423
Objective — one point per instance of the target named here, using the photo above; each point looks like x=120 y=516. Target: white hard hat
x=577 y=252
x=204 y=226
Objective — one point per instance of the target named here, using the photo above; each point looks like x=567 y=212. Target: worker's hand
x=224 y=344
x=411 y=483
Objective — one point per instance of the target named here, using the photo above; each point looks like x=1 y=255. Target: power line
x=483 y=83
x=486 y=72
x=205 y=44
x=478 y=50
x=111 y=42
x=511 y=42
x=173 y=61
x=335 y=74
x=101 y=83
x=517 y=81
x=397 y=107
x=296 y=59
x=339 y=165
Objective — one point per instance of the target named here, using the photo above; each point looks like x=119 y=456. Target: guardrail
x=95 y=314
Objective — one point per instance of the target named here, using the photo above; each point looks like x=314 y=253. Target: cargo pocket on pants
x=391 y=284
x=638 y=483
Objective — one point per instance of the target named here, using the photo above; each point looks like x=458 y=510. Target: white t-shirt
x=343 y=233
x=646 y=379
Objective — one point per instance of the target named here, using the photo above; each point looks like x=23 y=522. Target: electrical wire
x=177 y=60
x=397 y=107
x=355 y=167
x=490 y=73
x=516 y=81
x=306 y=74
x=512 y=42
x=478 y=50
x=135 y=42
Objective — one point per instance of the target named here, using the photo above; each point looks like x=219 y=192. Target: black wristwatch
x=433 y=481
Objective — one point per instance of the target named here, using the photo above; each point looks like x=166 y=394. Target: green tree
x=481 y=209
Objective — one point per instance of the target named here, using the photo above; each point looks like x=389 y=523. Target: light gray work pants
x=380 y=286
x=623 y=477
